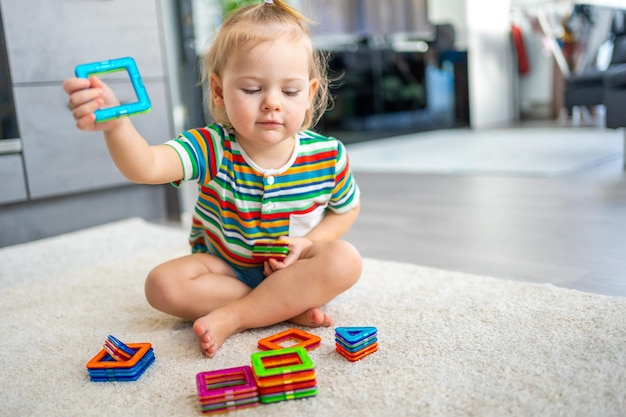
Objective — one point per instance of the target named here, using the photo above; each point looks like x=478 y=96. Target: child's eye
x=251 y=90
x=291 y=93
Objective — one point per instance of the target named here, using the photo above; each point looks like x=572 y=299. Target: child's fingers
x=85 y=100
x=276 y=265
x=107 y=94
x=87 y=122
x=85 y=108
x=82 y=90
x=85 y=97
x=71 y=85
x=96 y=82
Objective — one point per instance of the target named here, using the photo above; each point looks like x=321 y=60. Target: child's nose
x=271 y=102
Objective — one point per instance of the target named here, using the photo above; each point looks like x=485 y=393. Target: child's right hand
x=85 y=97
x=297 y=245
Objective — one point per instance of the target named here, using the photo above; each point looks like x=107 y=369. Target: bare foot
x=313 y=318
x=213 y=329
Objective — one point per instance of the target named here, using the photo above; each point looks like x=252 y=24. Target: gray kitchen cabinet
x=47 y=39
x=61 y=159
x=60 y=178
x=13 y=186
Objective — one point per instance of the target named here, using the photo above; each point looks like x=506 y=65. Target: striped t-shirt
x=239 y=202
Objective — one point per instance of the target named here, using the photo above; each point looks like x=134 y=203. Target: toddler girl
x=261 y=175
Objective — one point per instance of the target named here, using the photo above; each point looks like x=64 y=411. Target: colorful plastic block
x=281 y=362
x=292 y=386
x=104 y=367
x=355 y=343
x=284 y=374
x=142 y=105
x=265 y=249
x=118 y=350
x=281 y=340
x=357 y=346
x=355 y=334
x=289 y=395
x=355 y=356
x=226 y=390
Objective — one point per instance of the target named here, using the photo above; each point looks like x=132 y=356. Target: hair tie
x=269 y=1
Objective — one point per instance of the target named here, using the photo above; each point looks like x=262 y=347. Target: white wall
x=484 y=26
x=490 y=63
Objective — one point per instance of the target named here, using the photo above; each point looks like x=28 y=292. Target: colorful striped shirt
x=239 y=202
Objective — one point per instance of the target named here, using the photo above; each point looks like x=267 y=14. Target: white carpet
x=450 y=344
x=530 y=151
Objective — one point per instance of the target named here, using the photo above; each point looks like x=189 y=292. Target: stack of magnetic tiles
x=227 y=390
x=284 y=374
x=355 y=343
x=276 y=374
x=119 y=361
x=266 y=249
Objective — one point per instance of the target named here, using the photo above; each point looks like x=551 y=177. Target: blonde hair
x=252 y=25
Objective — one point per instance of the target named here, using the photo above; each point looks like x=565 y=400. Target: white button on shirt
x=269 y=180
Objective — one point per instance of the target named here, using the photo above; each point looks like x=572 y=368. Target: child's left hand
x=297 y=245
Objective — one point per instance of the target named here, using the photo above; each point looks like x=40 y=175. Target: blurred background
x=403 y=66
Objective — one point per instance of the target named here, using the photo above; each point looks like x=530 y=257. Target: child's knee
x=158 y=290
x=354 y=261
x=346 y=262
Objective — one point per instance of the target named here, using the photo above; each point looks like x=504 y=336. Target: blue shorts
x=252 y=277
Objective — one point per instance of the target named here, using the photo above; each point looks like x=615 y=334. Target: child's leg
x=326 y=270
x=192 y=286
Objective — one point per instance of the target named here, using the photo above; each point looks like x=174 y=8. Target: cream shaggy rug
x=450 y=344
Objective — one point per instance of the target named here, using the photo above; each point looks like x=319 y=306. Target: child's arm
x=134 y=157
x=139 y=161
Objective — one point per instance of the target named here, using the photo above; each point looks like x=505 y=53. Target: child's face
x=266 y=91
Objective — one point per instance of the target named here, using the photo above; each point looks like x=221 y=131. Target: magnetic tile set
x=119 y=361
x=128 y=64
x=266 y=249
x=354 y=343
x=276 y=373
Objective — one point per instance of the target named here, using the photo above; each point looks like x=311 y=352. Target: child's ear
x=314 y=84
x=217 y=91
